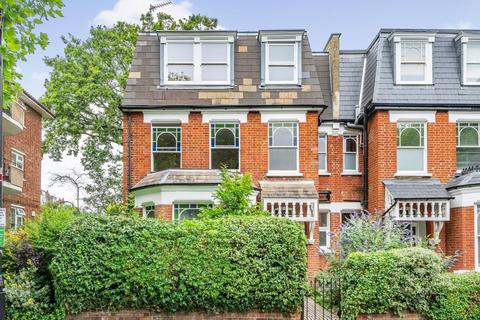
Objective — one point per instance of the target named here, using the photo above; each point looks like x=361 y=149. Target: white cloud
x=462 y=25
x=131 y=10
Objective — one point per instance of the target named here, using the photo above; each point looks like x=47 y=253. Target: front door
x=417 y=231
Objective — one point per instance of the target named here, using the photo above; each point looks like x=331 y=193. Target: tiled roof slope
x=143 y=86
x=416 y=189
x=322 y=63
x=179 y=177
x=351 y=68
x=379 y=87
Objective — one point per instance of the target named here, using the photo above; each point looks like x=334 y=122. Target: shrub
x=126 y=209
x=230 y=264
x=28 y=298
x=43 y=231
x=457 y=297
x=390 y=281
x=364 y=233
x=233 y=196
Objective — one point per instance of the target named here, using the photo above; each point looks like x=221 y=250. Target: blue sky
x=357 y=20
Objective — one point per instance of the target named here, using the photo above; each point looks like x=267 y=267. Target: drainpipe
x=129 y=146
x=365 y=161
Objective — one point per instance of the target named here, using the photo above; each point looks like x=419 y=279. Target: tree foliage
x=85 y=91
x=20 y=18
x=233 y=196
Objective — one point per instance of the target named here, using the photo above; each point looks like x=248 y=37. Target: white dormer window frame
x=197 y=62
x=467 y=60
x=270 y=42
x=399 y=41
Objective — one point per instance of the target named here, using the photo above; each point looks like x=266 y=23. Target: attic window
x=470 y=61
x=413 y=60
x=281 y=59
x=197 y=60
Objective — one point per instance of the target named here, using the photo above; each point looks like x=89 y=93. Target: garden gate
x=323 y=300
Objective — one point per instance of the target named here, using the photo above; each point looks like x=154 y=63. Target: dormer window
x=205 y=60
x=413 y=60
x=281 y=58
x=470 y=61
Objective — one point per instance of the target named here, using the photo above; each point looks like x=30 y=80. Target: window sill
x=284 y=174
x=351 y=173
x=414 y=84
x=412 y=174
x=324 y=173
x=184 y=86
x=323 y=251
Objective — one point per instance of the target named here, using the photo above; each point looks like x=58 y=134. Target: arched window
x=350 y=154
x=411 y=147
x=468 y=144
x=188 y=211
x=225 y=145
x=166 y=147
x=283 y=146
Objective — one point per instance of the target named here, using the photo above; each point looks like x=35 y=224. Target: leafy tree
x=20 y=18
x=234 y=197
x=85 y=91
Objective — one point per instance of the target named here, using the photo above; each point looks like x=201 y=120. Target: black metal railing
x=323 y=300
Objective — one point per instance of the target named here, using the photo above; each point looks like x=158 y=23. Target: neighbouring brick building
x=22 y=131
x=323 y=134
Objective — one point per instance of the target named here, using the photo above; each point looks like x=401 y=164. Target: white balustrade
x=422 y=210
x=294 y=209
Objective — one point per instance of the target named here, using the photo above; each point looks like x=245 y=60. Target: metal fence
x=323 y=300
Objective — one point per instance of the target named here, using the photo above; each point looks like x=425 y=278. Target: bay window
x=350 y=153
x=283 y=146
x=413 y=60
x=468 y=144
x=149 y=211
x=322 y=152
x=197 y=60
x=225 y=145
x=166 y=147
x=188 y=211
x=411 y=151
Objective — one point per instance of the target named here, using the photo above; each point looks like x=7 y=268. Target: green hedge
x=231 y=264
x=389 y=281
x=457 y=297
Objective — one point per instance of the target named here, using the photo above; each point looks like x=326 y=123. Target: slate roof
x=379 y=87
x=416 y=189
x=179 y=177
x=351 y=69
x=468 y=178
x=288 y=189
x=143 y=90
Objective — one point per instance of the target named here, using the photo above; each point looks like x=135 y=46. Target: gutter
x=210 y=106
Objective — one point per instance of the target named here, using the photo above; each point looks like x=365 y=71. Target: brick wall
x=460 y=235
x=148 y=315
x=29 y=142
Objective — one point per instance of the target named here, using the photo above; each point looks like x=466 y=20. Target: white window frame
x=324 y=229
x=17 y=208
x=222 y=147
x=282 y=63
x=356 y=138
x=464 y=47
x=428 y=41
x=424 y=171
x=467 y=124
x=324 y=171
x=152 y=160
x=189 y=203
x=197 y=60
x=16 y=156
x=284 y=173
x=146 y=208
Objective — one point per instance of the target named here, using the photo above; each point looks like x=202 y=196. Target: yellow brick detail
x=242 y=49
x=229 y=101
x=247 y=81
x=287 y=95
x=306 y=88
x=134 y=75
x=247 y=88
x=266 y=95
x=220 y=95
x=270 y=101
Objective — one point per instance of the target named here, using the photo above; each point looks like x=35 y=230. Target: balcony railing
x=13 y=175
x=13 y=119
x=418 y=210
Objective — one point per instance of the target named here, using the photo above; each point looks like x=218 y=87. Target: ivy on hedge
x=223 y=265
x=457 y=297
x=395 y=281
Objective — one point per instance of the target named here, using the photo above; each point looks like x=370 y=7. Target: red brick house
x=22 y=130
x=304 y=123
